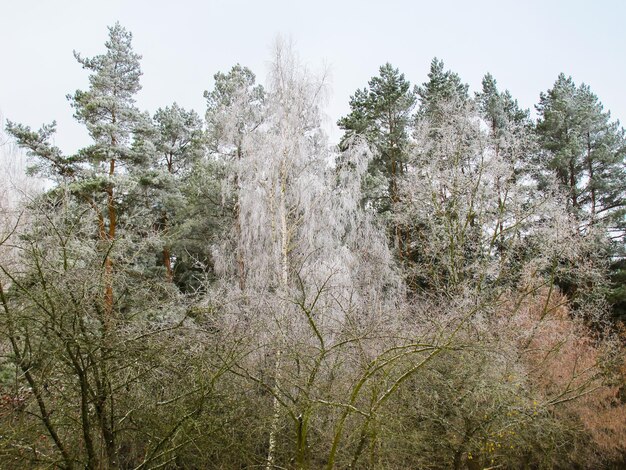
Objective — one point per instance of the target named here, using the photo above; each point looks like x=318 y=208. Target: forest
x=443 y=289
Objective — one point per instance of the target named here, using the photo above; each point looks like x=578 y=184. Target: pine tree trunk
x=591 y=182
x=108 y=264
x=167 y=256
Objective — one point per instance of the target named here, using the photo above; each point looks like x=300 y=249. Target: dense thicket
x=441 y=290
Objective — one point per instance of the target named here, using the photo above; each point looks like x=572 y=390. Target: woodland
x=443 y=289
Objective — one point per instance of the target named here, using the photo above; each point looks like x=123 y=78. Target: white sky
x=525 y=44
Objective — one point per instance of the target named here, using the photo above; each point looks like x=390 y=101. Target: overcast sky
x=524 y=44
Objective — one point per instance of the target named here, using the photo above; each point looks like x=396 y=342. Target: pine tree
x=234 y=109
x=586 y=151
x=442 y=86
x=108 y=111
x=107 y=108
x=178 y=147
x=381 y=114
x=499 y=109
x=99 y=181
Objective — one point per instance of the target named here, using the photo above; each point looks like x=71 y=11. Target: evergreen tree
x=180 y=140
x=84 y=255
x=381 y=114
x=586 y=151
x=234 y=109
x=178 y=144
x=442 y=86
x=107 y=109
x=499 y=109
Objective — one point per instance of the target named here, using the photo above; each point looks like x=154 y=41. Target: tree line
x=443 y=289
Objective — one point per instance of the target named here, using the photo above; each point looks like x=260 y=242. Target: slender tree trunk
x=284 y=234
x=92 y=462
x=167 y=256
x=284 y=272
x=110 y=236
x=591 y=182
x=572 y=184
x=103 y=403
x=271 y=448
x=102 y=393
x=241 y=265
x=301 y=438
x=398 y=235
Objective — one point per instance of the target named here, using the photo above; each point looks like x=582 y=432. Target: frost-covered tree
x=275 y=149
x=315 y=260
x=235 y=110
x=276 y=189
x=443 y=199
x=471 y=210
x=507 y=122
x=108 y=111
x=509 y=135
